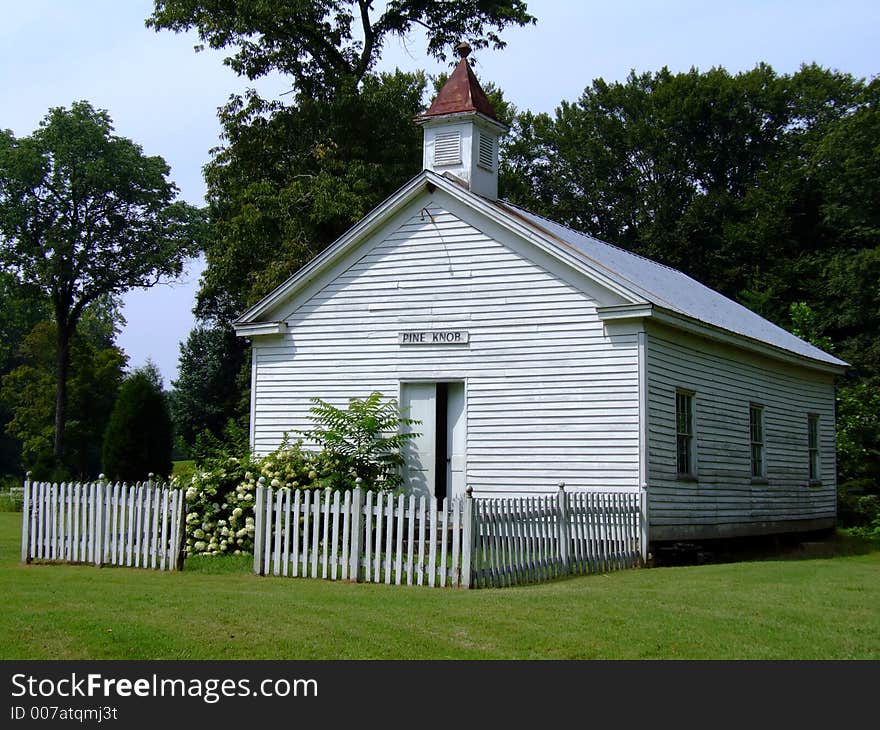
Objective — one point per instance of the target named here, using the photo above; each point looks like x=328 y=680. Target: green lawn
x=785 y=609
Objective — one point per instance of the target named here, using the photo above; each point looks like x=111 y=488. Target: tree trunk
x=62 y=368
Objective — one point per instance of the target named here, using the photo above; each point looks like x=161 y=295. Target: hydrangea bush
x=220 y=497
x=220 y=508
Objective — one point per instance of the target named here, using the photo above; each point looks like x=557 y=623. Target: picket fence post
x=99 y=522
x=258 y=537
x=467 y=539
x=357 y=537
x=180 y=557
x=562 y=530
x=26 y=519
x=643 y=526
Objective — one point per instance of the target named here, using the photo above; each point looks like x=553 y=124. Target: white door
x=455 y=441
x=441 y=433
x=417 y=400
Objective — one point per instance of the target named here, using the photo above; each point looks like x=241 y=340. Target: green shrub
x=363 y=440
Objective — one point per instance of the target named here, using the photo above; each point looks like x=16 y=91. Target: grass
x=215 y=609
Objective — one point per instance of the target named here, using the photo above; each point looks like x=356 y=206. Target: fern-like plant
x=363 y=440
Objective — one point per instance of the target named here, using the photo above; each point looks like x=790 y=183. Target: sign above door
x=434 y=337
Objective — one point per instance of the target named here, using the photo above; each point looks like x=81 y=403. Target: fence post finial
x=469 y=492
x=561 y=486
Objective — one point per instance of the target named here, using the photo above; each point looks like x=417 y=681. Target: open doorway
x=434 y=460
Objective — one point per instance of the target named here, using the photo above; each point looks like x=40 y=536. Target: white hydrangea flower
x=248 y=497
x=237 y=512
x=199 y=546
x=199 y=533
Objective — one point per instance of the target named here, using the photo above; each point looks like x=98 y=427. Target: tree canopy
x=324 y=45
x=84 y=214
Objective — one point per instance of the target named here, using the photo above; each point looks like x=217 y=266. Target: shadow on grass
x=803 y=546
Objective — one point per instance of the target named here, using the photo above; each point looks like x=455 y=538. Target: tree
x=291 y=179
x=85 y=214
x=139 y=435
x=27 y=393
x=326 y=45
x=206 y=393
x=708 y=172
x=20 y=310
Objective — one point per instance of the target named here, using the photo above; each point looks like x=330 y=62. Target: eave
x=695 y=327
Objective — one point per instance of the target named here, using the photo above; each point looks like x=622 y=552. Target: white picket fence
x=358 y=536
x=382 y=538
x=535 y=539
x=103 y=523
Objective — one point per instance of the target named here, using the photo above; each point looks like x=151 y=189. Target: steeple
x=461 y=131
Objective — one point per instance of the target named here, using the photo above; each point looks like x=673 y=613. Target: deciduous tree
x=85 y=214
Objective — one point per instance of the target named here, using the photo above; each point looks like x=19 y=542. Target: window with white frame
x=684 y=433
x=756 y=436
x=813 y=446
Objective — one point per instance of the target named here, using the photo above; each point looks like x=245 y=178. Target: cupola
x=462 y=131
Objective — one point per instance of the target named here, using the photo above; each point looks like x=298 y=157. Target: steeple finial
x=463 y=49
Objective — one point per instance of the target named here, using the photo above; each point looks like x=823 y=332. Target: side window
x=813 y=447
x=684 y=432
x=756 y=437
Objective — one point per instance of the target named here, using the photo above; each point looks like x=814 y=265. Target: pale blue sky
x=164 y=96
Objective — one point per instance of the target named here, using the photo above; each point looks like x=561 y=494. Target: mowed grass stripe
x=215 y=609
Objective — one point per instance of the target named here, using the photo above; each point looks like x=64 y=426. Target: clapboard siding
x=549 y=397
x=724 y=500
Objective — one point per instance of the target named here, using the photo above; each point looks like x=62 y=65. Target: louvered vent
x=447 y=149
x=487 y=152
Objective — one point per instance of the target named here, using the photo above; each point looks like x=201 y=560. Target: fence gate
x=103 y=523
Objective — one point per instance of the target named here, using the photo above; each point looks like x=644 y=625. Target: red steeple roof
x=461 y=92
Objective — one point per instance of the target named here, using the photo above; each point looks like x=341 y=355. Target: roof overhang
x=695 y=327
x=255 y=329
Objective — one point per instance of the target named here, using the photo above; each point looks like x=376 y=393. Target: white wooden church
x=533 y=354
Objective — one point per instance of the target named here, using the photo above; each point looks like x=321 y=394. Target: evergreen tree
x=138 y=439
